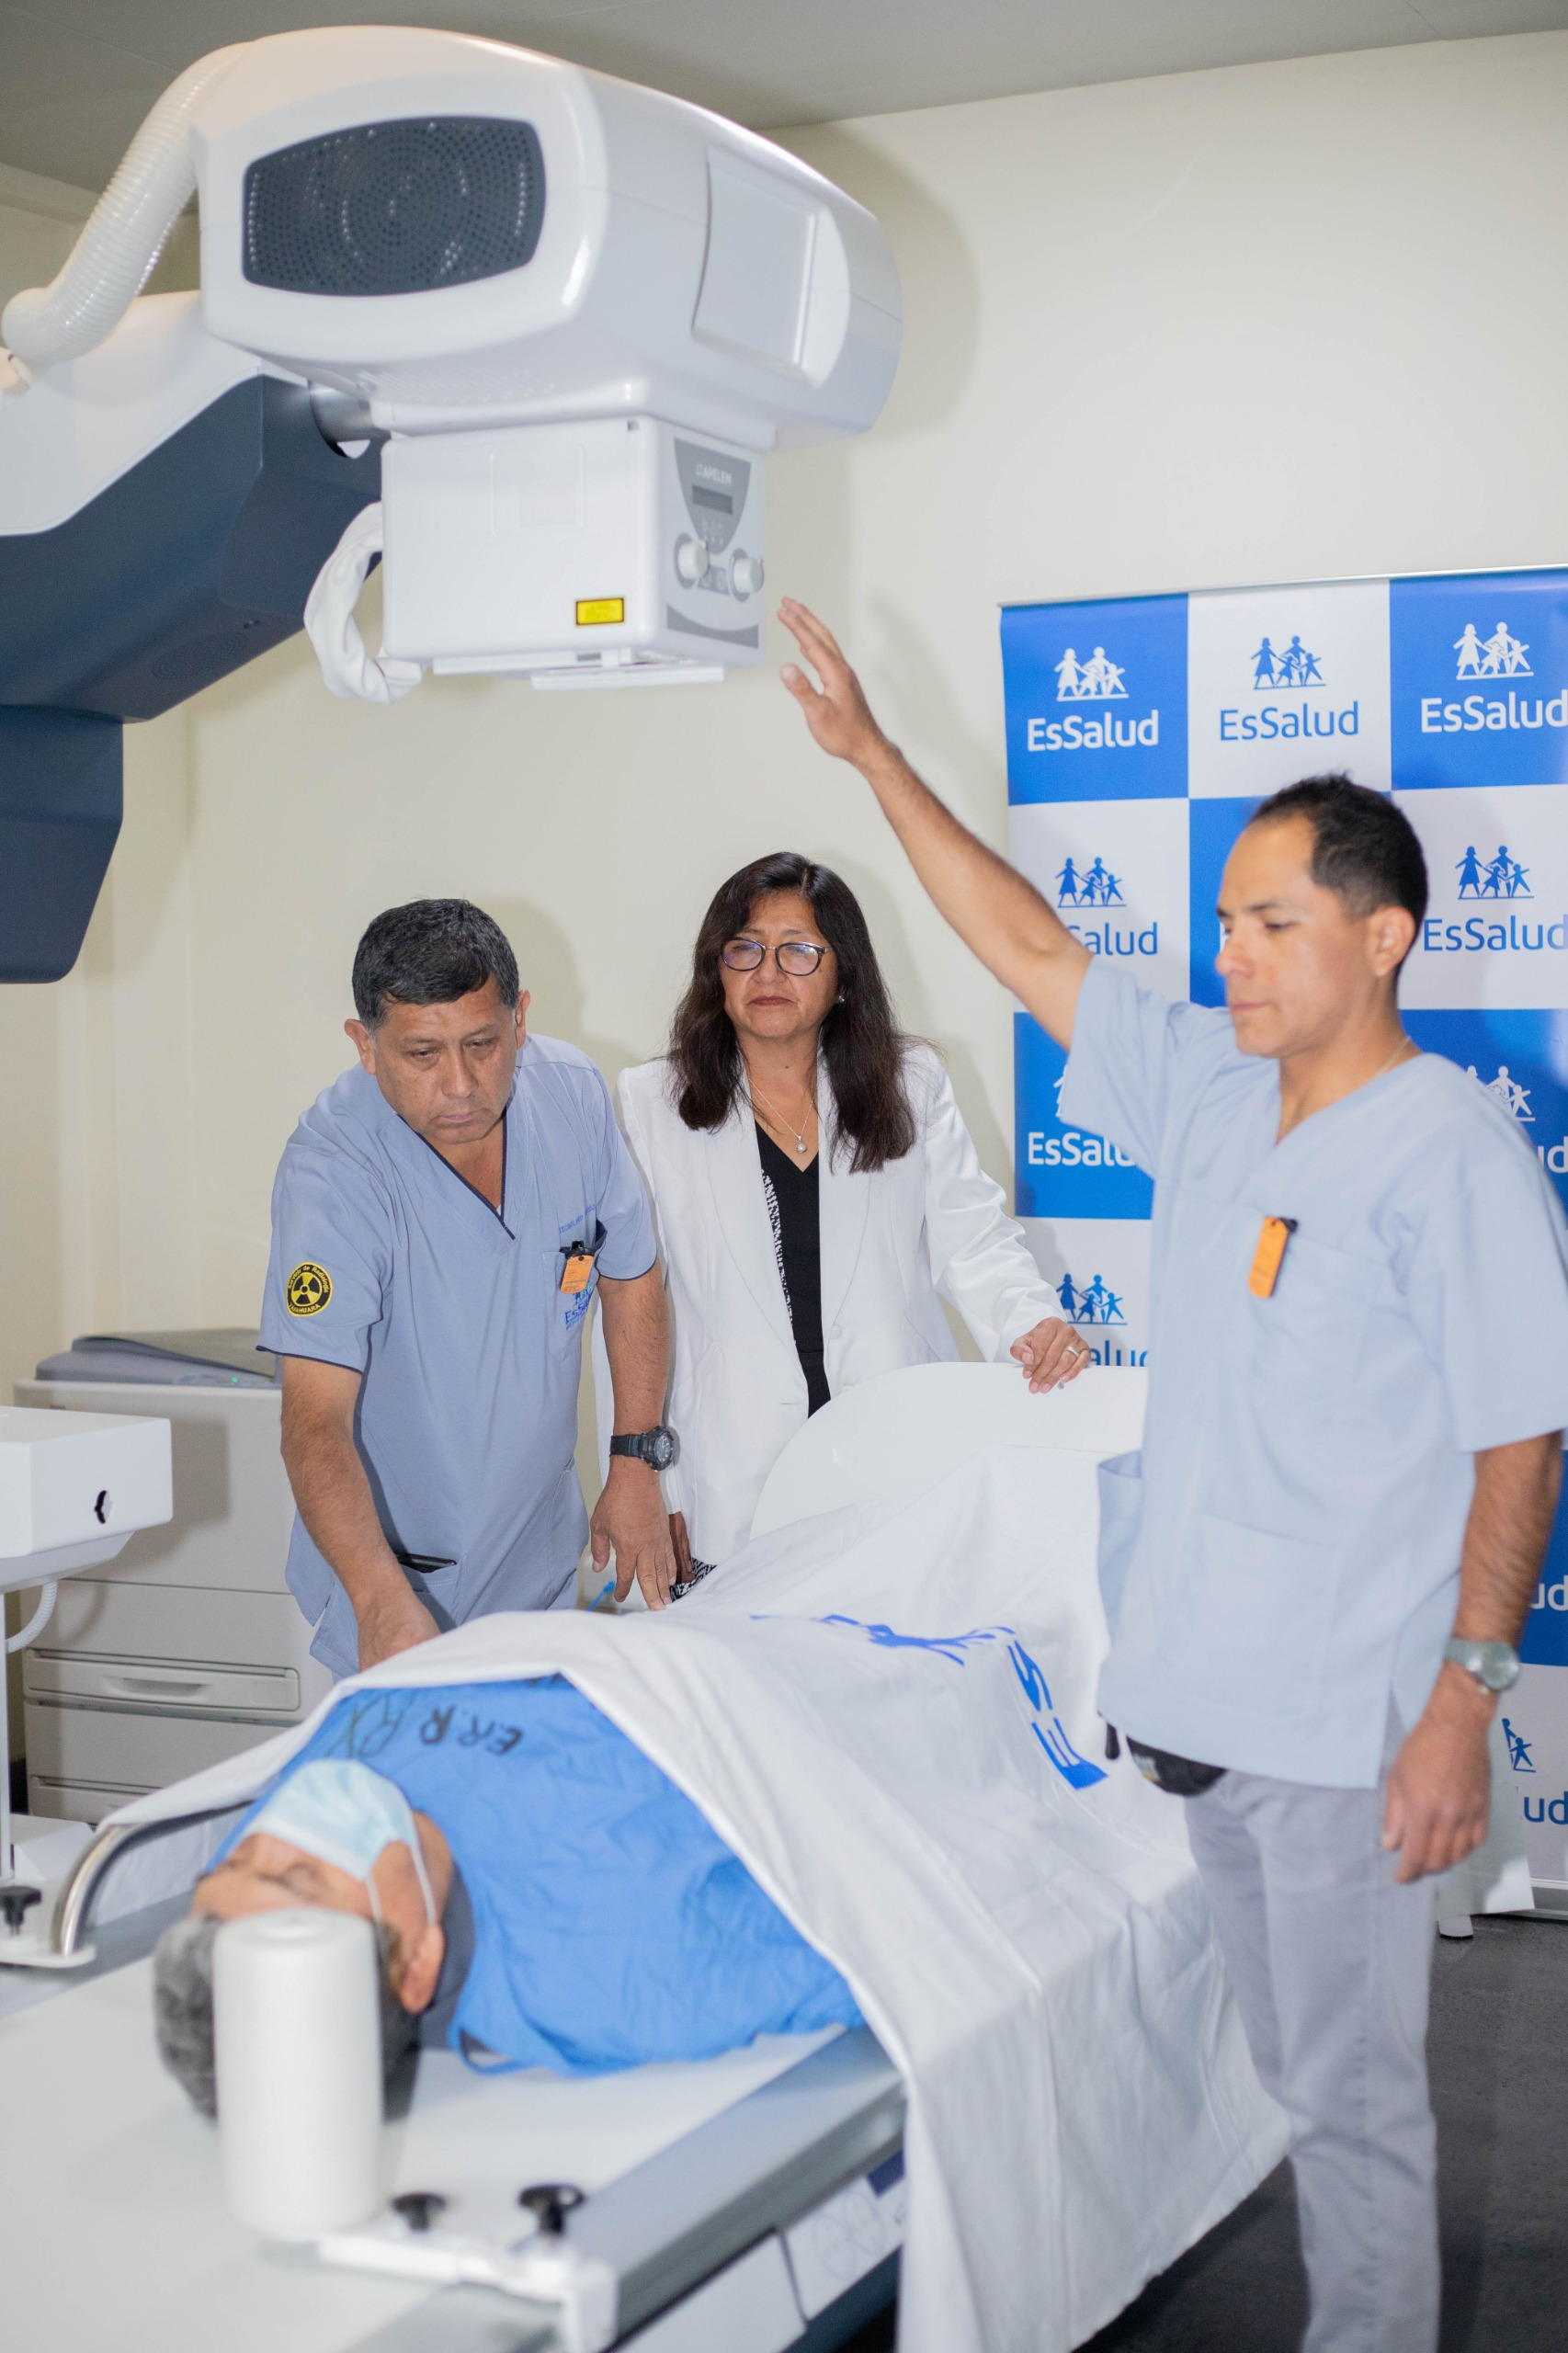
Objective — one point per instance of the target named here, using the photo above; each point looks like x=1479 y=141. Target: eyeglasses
x=799 y=957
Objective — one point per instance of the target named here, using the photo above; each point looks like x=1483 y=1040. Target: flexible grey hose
x=119 y=245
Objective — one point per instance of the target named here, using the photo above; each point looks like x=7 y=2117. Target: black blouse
x=790 y=1192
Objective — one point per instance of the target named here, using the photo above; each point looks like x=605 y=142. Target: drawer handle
x=179 y=1685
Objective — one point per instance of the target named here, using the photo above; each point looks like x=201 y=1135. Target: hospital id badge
x=577 y=1273
x=1270 y=1256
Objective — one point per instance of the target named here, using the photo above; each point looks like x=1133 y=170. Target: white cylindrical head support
x=299 y=2063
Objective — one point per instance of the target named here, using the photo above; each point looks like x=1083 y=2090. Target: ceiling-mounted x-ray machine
x=521 y=331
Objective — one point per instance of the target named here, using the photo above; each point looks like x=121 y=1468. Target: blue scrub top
x=385 y=1261
x=1283 y=1557
x=611 y=1924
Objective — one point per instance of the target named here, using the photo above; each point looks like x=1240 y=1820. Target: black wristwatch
x=656 y=1447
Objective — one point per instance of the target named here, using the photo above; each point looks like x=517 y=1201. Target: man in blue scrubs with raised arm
x=1317 y=1569
x=441 y=1219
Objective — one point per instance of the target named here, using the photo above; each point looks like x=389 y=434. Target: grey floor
x=1498 y=2050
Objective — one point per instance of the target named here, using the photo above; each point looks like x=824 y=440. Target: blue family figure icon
x=1520 y=1756
x=1263 y=666
x=1505 y=876
x=1100 y=887
x=1069 y=1297
x=1298 y=667
x=1468 y=869
x=1067 y=883
x=1092 y=1302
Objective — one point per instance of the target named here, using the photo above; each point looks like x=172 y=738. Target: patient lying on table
x=543 y=1895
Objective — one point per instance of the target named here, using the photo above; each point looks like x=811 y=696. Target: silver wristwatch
x=1495 y=1665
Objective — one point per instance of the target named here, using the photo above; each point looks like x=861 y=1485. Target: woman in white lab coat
x=814 y=1188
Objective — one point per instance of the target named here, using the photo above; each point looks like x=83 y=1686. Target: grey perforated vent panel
x=395 y=208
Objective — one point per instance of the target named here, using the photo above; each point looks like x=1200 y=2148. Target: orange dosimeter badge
x=1270 y=1256
x=578 y=1270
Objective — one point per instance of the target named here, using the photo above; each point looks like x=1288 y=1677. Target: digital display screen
x=719 y=500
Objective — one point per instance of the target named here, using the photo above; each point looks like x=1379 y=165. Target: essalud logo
x=1489 y=913
x=1500 y=660
x=1505 y=1089
x=1091 y=1303
x=1276 y=670
x=1092 y=890
x=1495 y=878
x=1501 y=655
x=1089 y=886
x=1074 y=1147
x=1097 y=680
x=1294 y=667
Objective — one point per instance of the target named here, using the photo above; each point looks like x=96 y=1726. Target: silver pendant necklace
x=777 y=1119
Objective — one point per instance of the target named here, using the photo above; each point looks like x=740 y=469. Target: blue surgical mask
x=344 y=1814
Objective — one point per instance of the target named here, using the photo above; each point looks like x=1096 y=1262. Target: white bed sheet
x=1037 y=1957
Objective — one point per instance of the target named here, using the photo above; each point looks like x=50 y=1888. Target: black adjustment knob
x=550 y=2203
x=14 y=1904
x=419 y=2208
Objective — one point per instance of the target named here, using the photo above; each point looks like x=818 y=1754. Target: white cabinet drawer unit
x=188 y=1646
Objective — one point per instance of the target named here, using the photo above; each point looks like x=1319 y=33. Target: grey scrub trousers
x=1331 y=1964
x=1280 y=1562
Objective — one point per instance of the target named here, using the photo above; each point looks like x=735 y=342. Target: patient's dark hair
x=861 y=1042
x=1364 y=849
x=430 y=952
x=182 y=2007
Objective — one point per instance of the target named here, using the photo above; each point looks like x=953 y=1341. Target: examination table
x=746 y=2203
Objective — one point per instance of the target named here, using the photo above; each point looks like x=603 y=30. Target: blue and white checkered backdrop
x=1141 y=734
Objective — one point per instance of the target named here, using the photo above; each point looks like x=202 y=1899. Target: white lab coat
x=933 y=1222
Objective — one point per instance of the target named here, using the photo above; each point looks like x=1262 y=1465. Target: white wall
x=1268 y=323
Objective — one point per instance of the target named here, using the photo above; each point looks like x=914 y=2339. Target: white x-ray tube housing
x=462 y=234
x=524 y=330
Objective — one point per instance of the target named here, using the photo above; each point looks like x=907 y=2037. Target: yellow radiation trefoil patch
x=308 y=1288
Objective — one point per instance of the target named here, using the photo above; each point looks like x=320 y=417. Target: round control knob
x=419 y=2208
x=746 y=573
x=13 y=1901
x=691 y=560
x=550 y=2203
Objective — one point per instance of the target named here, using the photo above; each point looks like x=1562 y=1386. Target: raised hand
x=838 y=714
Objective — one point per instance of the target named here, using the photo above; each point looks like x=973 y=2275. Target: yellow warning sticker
x=592 y=612
x=308 y=1288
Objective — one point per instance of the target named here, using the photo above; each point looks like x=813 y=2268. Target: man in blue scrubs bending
x=1317 y=1569
x=442 y=1217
